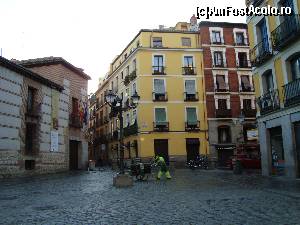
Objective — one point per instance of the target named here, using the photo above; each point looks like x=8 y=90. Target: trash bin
x=92 y=164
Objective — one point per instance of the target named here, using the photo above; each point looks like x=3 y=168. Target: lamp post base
x=122 y=180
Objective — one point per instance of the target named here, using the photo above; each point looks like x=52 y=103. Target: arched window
x=224 y=134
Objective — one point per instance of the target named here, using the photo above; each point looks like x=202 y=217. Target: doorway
x=161 y=149
x=297 y=140
x=277 y=151
x=73 y=155
x=192 y=148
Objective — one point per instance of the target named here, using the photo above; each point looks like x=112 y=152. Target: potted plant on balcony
x=133 y=75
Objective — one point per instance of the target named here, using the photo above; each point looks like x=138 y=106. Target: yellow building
x=275 y=54
x=165 y=67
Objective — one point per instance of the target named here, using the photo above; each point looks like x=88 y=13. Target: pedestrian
x=163 y=169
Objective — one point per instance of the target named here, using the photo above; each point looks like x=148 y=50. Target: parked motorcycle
x=200 y=162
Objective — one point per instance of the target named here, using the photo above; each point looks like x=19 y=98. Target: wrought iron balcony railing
x=223 y=113
x=243 y=64
x=292 y=93
x=249 y=112
x=261 y=52
x=160 y=97
x=75 y=120
x=158 y=70
x=131 y=129
x=268 y=102
x=188 y=97
x=161 y=126
x=286 y=33
x=186 y=70
x=192 y=125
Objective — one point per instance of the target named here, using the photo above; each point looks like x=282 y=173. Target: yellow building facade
x=165 y=68
x=275 y=56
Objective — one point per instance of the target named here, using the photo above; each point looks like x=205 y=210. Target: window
x=133 y=88
x=268 y=81
x=133 y=117
x=157 y=42
x=159 y=86
x=263 y=35
x=240 y=38
x=247 y=104
x=216 y=37
x=122 y=75
x=245 y=83
x=224 y=134
x=138 y=44
x=30 y=99
x=75 y=105
x=127 y=71
x=190 y=86
x=134 y=65
x=220 y=82
x=160 y=115
x=242 y=60
x=190 y=90
x=125 y=55
x=191 y=116
x=186 y=42
x=127 y=122
x=295 y=68
x=188 y=61
x=218 y=58
x=222 y=104
x=117 y=84
x=158 y=64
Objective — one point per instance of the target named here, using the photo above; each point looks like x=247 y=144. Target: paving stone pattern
x=191 y=197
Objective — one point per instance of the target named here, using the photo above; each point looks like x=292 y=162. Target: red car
x=247 y=161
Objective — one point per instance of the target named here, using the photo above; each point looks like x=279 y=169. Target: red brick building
x=230 y=95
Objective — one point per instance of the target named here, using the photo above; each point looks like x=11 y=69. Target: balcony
x=75 y=120
x=160 y=97
x=158 y=70
x=255 y=3
x=219 y=89
x=131 y=130
x=161 y=126
x=223 y=113
x=219 y=65
x=249 y=112
x=268 y=102
x=217 y=42
x=191 y=97
x=261 y=52
x=189 y=70
x=286 y=33
x=244 y=88
x=192 y=126
x=292 y=93
x=243 y=64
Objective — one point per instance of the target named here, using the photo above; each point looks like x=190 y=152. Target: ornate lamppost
x=117 y=109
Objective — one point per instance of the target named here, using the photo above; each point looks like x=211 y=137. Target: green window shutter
x=191 y=115
x=160 y=115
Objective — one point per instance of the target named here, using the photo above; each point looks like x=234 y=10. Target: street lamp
x=116 y=104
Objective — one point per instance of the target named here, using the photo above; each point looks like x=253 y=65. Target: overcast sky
x=89 y=33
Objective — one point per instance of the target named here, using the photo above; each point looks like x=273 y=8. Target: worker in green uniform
x=160 y=161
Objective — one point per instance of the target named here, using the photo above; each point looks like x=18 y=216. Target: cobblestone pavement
x=191 y=197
